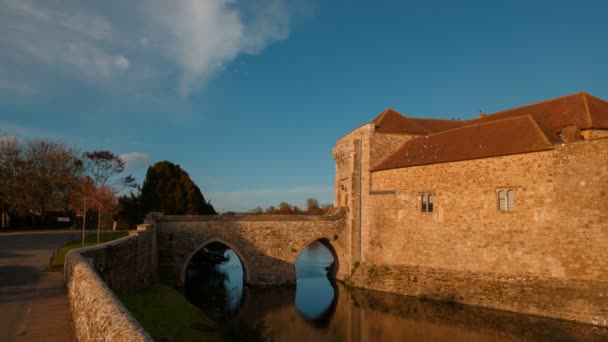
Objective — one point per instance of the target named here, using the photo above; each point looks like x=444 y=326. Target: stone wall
x=267 y=246
x=553 y=245
x=355 y=154
x=92 y=273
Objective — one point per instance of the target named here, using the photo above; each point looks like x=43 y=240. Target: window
x=426 y=203
x=506 y=199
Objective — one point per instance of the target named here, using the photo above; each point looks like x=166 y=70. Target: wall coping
x=104 y=313
x=334 y=215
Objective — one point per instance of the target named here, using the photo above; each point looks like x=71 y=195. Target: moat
x=319 y=309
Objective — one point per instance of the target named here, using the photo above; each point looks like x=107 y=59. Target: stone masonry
x=92 y=273
x=267 y=246
x=548 y=256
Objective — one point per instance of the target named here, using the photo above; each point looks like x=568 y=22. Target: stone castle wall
x=92 y=273
x=558 y=227
x=552 y=245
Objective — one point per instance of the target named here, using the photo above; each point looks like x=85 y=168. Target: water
x=318 y=309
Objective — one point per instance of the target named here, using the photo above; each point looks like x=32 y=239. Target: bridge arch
x=332 y=272
x=240 y=255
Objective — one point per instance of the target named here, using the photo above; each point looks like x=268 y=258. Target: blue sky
x=250 y=98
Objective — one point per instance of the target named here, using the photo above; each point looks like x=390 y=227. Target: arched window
x=506 y=199
x=426 y=203
x=510 y=200
x=502 y=200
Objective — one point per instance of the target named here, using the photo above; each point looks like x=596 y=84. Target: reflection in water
x=269 y=314
x=314 y=290
x=214 y=280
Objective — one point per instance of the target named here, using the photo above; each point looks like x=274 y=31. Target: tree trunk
x=84 y=221
x=98 y=223
x=5 y=219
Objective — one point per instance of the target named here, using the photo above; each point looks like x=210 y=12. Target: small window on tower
x=506 y=199
x=426 y=203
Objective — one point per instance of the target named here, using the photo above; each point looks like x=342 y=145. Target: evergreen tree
x=169 y=189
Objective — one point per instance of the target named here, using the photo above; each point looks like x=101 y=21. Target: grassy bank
x=90 y=240
x=168 y=316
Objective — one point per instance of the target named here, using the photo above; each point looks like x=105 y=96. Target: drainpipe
x=360 y=194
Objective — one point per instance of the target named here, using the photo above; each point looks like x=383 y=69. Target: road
x=23 y=257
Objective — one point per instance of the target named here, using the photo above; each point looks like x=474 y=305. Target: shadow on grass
x=168 y=316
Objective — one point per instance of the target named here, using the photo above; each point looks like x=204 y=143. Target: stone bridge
x=267 y=246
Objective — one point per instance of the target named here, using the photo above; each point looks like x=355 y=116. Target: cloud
x=244 y=200
x=135 y=160
x=136 y=43
x=121 y=62
x=9 y=139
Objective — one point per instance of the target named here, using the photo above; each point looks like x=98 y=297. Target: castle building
x=508 y=210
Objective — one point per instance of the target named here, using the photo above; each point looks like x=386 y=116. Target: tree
x=129 y=211
x=284 y=208
x=104 y=168
x=312 y=207
x=10 y=152
x=84 y=197
x=36 y=175
x=169 y=189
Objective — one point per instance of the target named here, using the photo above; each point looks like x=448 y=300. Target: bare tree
x=49 y=169
x=104 y=169
x=10 y=152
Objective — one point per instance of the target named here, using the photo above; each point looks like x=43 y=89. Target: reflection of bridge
x=267 y=245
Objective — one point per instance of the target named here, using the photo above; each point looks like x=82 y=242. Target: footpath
x=49 y=318
x=33 y=303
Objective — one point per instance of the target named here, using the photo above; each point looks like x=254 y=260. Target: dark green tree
x=129 y=213
x=169 y=189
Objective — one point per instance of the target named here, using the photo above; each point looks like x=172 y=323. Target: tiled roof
x=496 y=138
x=598 y=111
x=534 y=127
x=581 y=110
x=391 y=122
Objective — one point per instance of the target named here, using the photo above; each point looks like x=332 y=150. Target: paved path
x=33 y=303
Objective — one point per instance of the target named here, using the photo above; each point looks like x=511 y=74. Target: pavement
x=33 y=303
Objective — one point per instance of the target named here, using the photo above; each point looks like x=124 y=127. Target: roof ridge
x=589 y=120
x=383 y=114
x=540 y=131
x=481 y=124
x=435 y=119
x=537 y=103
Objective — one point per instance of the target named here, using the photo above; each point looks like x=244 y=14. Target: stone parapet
x=92 y=273
x=334 y=215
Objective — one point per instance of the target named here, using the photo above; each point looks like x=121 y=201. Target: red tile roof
x=391 y=122
x=533 y=127
x=496 y=138
x=598 y=111
x=581 y=110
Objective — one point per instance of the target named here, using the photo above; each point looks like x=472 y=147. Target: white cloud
x=136 y=42
x=135 y=160
x=121 y=62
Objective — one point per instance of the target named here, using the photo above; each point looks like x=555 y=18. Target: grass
x=90 y=240
x=168 y=316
